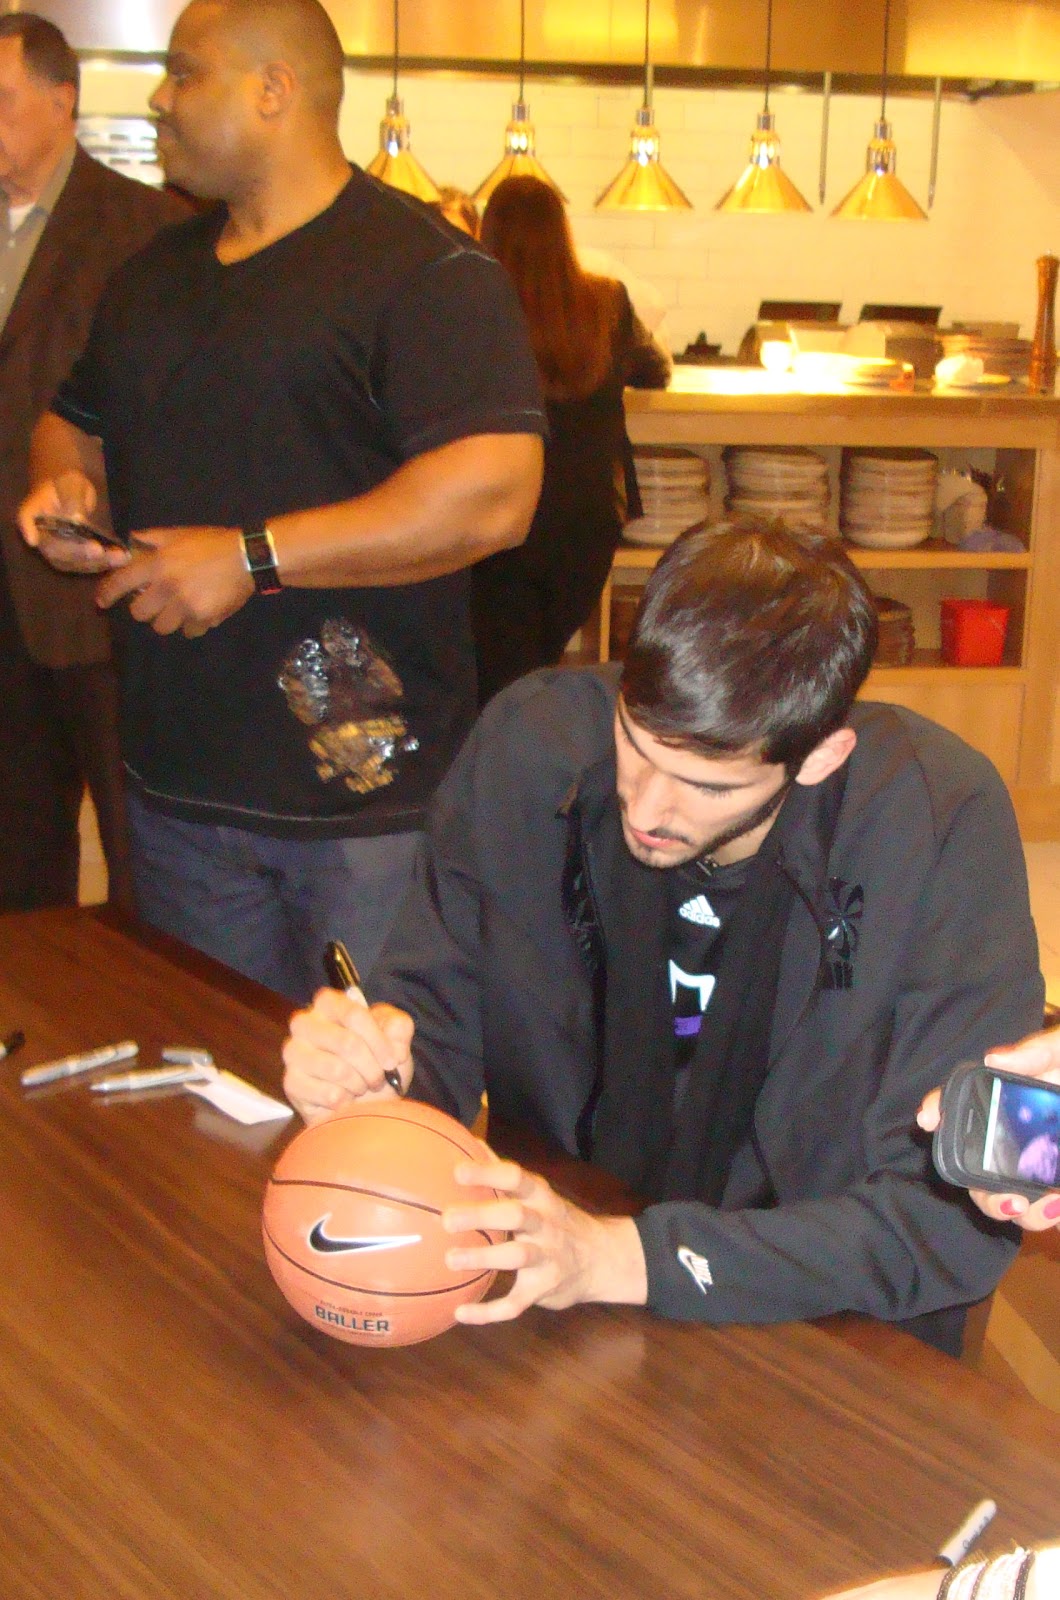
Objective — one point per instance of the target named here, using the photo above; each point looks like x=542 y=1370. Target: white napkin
x=239 y=1099
x=959 y=371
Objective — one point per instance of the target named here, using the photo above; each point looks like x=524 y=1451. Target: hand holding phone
x=999 y=1131
x=76 y=528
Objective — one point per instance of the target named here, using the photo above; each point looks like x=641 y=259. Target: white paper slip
x=239 y=1099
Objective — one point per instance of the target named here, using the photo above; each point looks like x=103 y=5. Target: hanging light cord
x=769 y=48
x=396 y=2
x=522 y=47
x=647 y=53
x=886 y=39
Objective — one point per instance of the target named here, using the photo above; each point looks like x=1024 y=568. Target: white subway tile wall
x=997 y=207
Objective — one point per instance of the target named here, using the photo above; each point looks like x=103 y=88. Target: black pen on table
x=342 y=974
x=13 y=1042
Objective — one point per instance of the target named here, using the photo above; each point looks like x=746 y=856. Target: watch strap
x=259 y=553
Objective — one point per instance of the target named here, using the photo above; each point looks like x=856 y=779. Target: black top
x=590 y=485
x=527 y=602
x=299 y=377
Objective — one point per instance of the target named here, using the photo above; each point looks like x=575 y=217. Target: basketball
x=352 y=1224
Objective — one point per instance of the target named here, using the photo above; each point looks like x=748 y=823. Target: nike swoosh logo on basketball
x=324 y=1244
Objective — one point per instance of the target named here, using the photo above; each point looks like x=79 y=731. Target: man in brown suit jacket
x=66 y=222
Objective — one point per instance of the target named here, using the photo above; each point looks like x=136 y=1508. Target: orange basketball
x=352 y=1223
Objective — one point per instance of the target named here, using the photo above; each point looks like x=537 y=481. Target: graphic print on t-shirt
x=700 y=911
x=690 y=968
x=702 y=897
x=341 y=687
x=691 y=997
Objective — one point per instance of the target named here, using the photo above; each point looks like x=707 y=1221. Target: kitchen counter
x=835 y=415
x=1011 y=711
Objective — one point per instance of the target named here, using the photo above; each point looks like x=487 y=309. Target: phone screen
x=1022 y=1138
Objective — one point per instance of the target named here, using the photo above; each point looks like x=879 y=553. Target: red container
x=973 y=633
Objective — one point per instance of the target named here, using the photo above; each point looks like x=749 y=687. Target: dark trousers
x=526 y=604
x=264 y=905
x=58 y=732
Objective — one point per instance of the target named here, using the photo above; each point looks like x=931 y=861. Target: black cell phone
x=999 y=1131
x=73 y=528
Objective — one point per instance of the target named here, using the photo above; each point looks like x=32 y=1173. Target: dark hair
x=750 y=636
x=571 y=315
x=44 y=49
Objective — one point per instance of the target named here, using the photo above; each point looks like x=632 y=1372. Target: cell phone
x=72 y=528
x=998 y=1131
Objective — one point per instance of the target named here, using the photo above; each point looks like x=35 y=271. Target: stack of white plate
x=674 y=488
x=1002 y=355
x=887 y=497
x=784 y=482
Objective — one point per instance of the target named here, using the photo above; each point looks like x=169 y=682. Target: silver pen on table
x=342 y=974
x=152 y=1078
x=187 y=1055
x=73 y=1066
x=962 y=1539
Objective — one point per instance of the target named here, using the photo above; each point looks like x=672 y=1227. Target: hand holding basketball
x=338 y=1050
x=352 y=1223
x=561 y=1256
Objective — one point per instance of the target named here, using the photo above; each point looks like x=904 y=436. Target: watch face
x=258 y=552
x=261 y=560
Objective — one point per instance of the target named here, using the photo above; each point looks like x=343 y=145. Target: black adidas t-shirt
x=302 y=376
x=701 y=903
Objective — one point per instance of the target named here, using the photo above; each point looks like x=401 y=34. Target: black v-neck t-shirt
x=302 y=376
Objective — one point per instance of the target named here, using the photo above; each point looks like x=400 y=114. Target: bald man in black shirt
x=314 y=408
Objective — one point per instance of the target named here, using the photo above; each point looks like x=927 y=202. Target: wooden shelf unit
x=1009 y=712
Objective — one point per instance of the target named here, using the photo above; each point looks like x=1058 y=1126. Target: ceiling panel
x=1017 y=39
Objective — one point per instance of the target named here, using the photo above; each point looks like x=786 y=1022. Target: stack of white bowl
x=782 y=482
x=1001 y=350
x=674 y=488
x=887 y=497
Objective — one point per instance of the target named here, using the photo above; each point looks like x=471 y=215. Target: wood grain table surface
x=169 y=1427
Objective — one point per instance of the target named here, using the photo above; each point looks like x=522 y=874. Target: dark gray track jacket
x=910 y=947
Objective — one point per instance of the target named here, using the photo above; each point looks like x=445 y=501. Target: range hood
x=976 y=46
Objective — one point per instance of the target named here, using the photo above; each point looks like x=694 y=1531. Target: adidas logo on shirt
x=700 y=910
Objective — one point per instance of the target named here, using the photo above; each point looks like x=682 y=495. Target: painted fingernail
x=1011 y=1208
x=1052 y=1209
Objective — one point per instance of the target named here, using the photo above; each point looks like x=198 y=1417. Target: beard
x=699 y=849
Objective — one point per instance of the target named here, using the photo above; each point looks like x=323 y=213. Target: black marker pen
x=13 y=1042
x=342 y=974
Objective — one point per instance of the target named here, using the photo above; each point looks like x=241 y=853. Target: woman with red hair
x=588 y=343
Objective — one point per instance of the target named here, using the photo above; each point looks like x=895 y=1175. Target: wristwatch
x=259 y=553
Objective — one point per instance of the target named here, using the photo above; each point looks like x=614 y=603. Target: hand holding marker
x=342 y=974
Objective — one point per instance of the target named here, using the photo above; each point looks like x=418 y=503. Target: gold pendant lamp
x=395 y=164
x=519 y=159
x=644 y=184
x=763 y=187
x=881 y=196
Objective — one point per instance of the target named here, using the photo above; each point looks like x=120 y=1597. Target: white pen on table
x=155 y=1077
x=961 y=1541
x=342 y=974
x=72 y=1066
